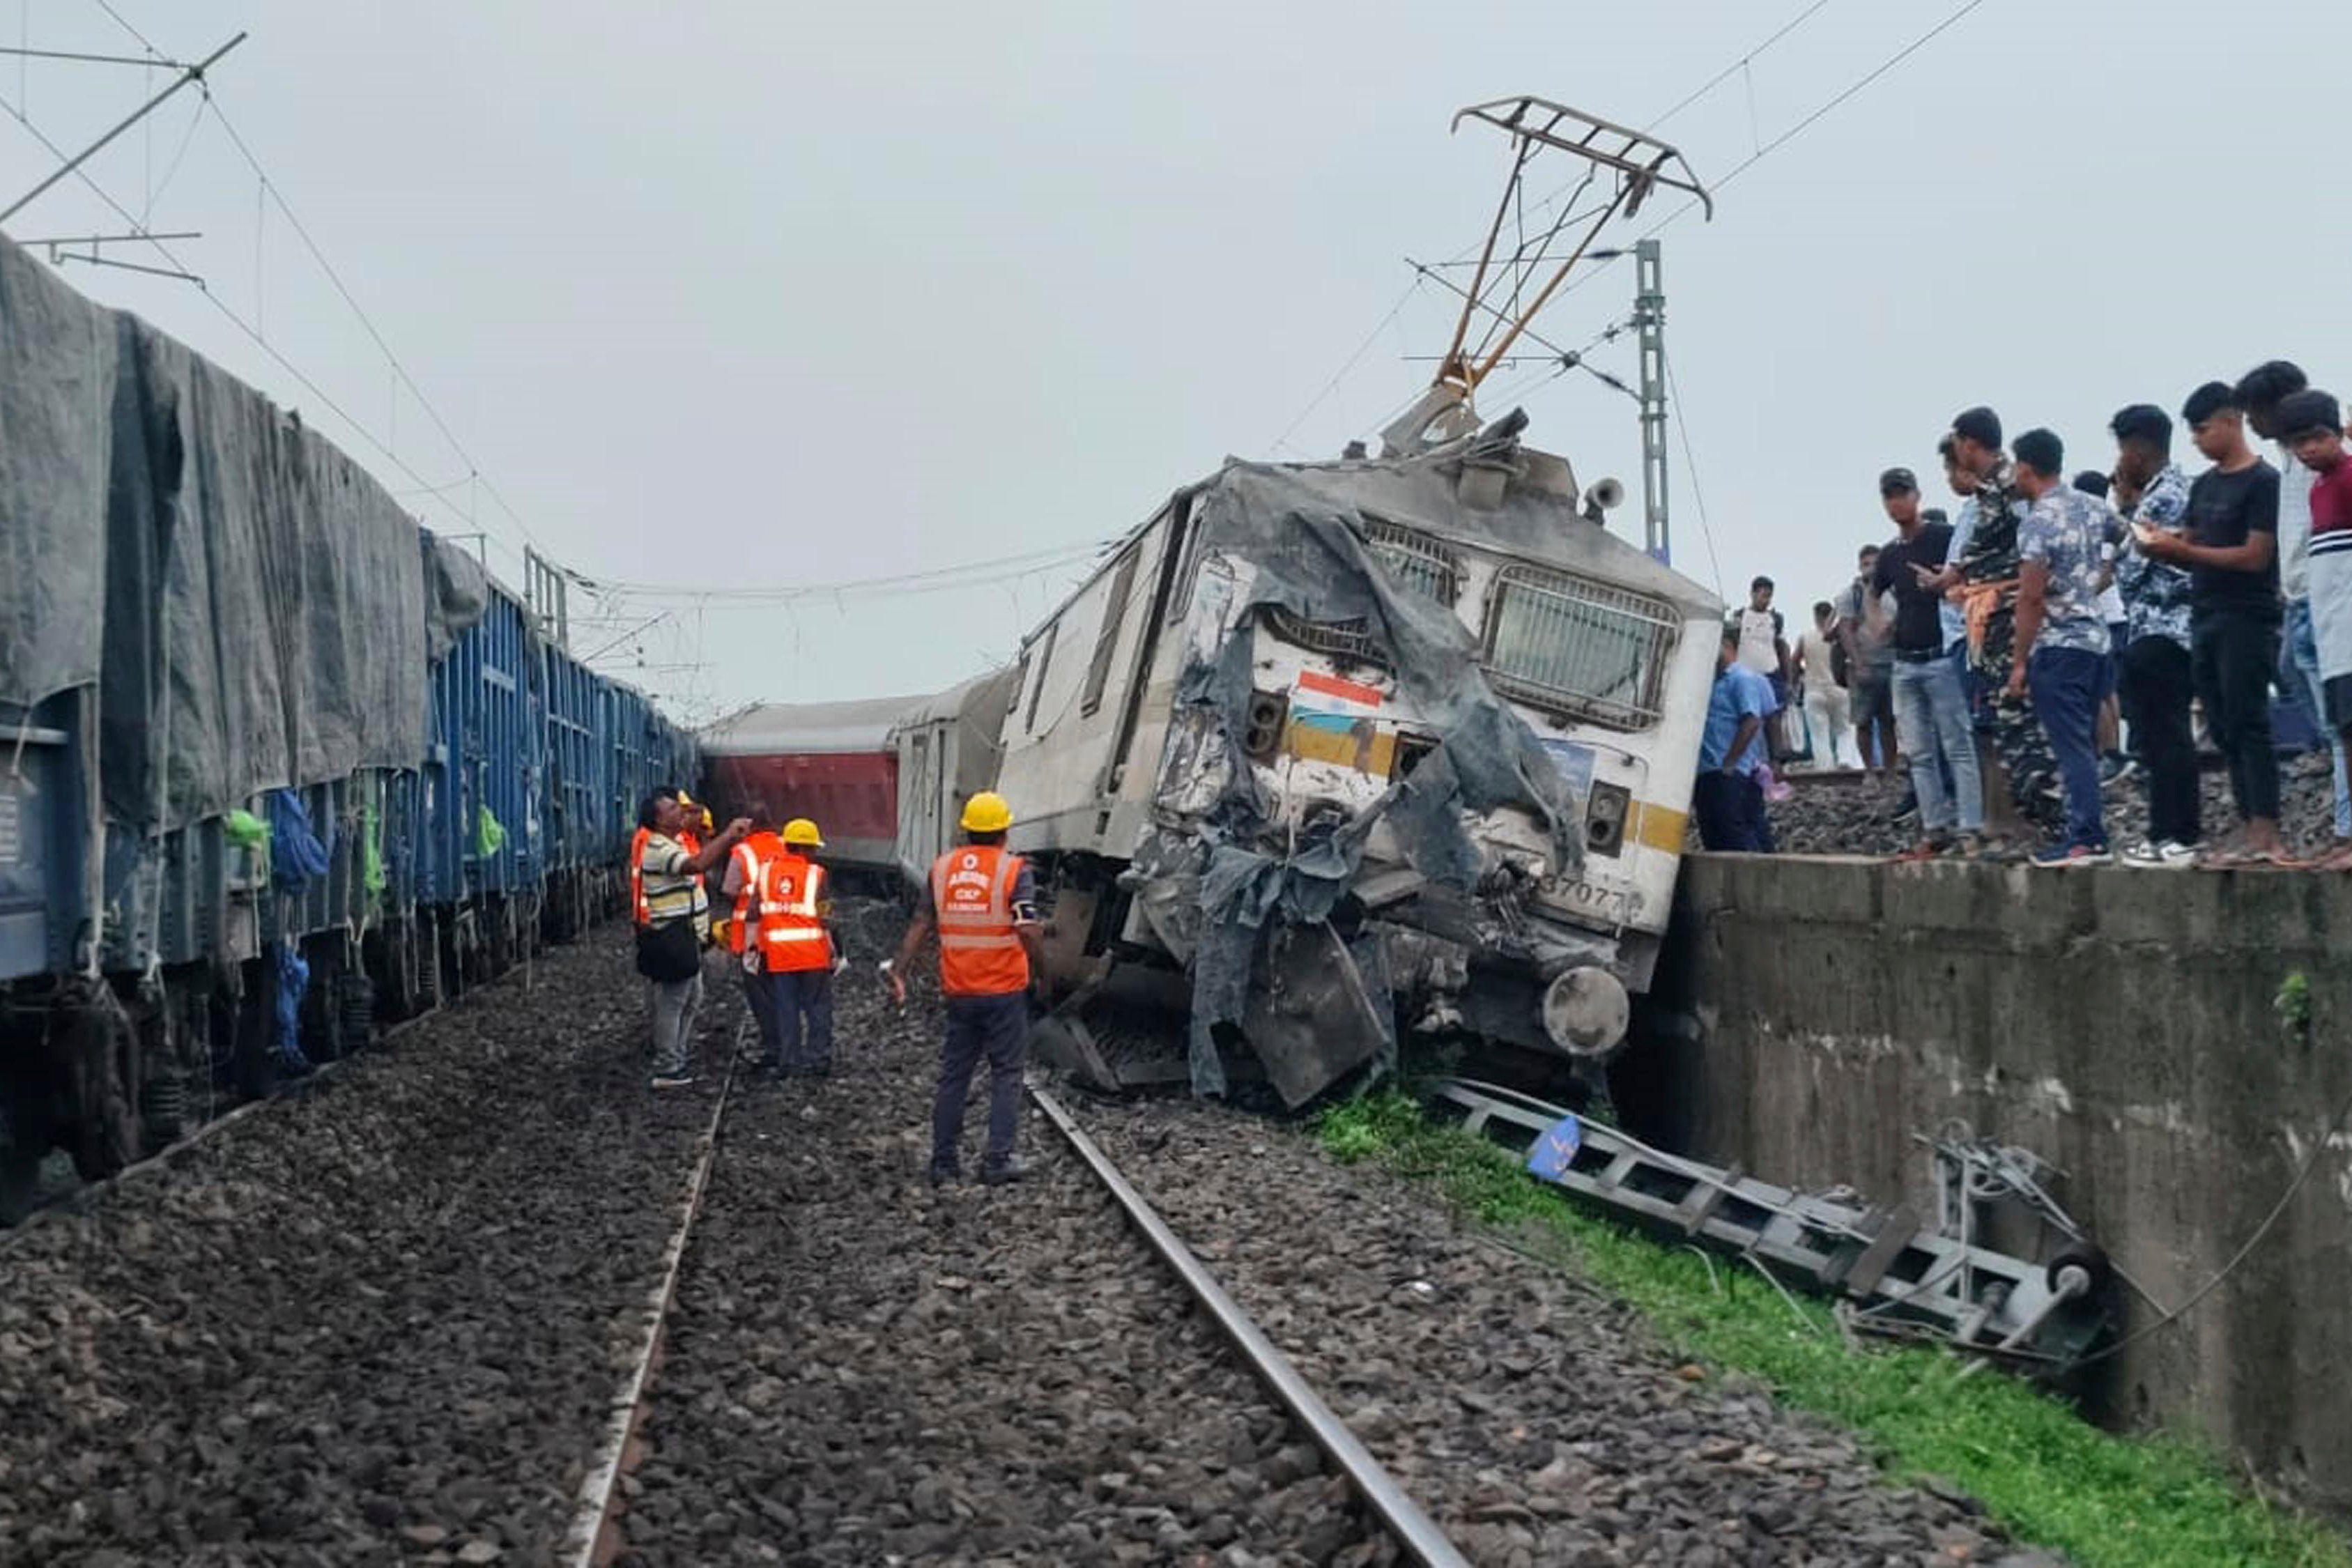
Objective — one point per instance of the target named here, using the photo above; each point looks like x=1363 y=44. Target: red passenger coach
x=830 y=762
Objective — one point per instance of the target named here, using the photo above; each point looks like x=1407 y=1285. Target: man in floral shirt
x=2149 y=487
x=2060 y=639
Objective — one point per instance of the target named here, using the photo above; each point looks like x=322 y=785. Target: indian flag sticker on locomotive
x=1329 y=697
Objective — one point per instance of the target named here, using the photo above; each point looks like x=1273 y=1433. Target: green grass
x=2052 y=1478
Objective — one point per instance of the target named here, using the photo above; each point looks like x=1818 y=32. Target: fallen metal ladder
x=1903 y=1278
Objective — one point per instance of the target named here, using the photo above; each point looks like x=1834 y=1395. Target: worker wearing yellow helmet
x=983 y=907
x=797 y=955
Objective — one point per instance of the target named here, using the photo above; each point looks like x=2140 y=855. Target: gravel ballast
x=1534 y=1418
x=1842 y=816
x=382 y=1322
x=861 y=1370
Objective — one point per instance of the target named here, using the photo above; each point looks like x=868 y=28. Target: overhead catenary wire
x=277 y=197
x=1028 y=563
x=1690 y=464
x=228 y=312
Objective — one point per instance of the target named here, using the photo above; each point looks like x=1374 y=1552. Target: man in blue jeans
x=1931 y=706
x=2061 y=638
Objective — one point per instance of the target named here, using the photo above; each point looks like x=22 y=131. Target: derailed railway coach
x=280 y=765
x=1326 y=752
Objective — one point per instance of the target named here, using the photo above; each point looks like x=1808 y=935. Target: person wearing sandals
x=2312 y=423
x=2061 y=638
x=2231 y=549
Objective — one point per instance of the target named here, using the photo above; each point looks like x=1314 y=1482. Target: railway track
x=847 y=1368
x=502 y=1307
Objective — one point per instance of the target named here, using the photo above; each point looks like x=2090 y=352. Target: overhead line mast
x=1509 y=289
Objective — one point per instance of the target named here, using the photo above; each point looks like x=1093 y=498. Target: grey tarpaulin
x=57 y=388
x=252 y=603
x=1299 y=534
x=456 y=593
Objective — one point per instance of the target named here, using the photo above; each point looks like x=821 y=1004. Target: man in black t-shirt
x=2231 y=549
x=1931 y=707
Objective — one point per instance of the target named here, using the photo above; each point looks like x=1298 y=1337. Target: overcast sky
x=754 y=295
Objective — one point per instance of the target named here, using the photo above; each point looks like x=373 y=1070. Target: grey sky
x=750 y=295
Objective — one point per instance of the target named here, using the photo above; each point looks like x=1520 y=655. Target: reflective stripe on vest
x=971 y=898
x=637 y=910
x=792 y=933
x=666 y=898
x=750 y=858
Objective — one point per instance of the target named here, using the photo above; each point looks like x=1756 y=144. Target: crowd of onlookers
x=2051 y=638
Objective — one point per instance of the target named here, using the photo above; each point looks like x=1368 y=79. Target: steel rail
x=1414 y=1530
x=589 y=1542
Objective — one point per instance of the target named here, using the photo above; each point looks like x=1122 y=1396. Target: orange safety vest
x=971 y=895
x=792 y=933
x=638 y=911
x=751 y=858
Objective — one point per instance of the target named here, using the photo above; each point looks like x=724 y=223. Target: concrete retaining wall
x=2122 y=1024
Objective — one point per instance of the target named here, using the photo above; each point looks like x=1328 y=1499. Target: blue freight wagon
x=276 y=764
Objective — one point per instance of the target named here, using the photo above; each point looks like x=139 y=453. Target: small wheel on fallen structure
x=2092 y=1263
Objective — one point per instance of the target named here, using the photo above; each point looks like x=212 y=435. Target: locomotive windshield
x=1578 y=648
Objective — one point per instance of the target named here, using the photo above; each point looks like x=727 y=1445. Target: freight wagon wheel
x=433 y=992
x=104 y=1053
x=399 y=970
x=20 y=1177
x=163 y=1098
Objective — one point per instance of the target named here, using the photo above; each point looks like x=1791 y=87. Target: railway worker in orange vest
x=739 y=930
x=694 y=826
x=637 y=910
x=983 y=905
x=796 y=955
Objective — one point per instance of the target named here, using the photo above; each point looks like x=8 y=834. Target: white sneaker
x=2173 y=857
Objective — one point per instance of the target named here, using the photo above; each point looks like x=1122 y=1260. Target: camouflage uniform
x=2016 y=735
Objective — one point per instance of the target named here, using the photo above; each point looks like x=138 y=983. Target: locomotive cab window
x=1414 y=563
x=1576 y=648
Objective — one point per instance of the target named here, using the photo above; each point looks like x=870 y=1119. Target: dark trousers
x=996 y=1027
x=794 y=996
x=2157 y=691
x=763 y=1000
x=2068 y=686
x=1730 y=810
x=2232 y=654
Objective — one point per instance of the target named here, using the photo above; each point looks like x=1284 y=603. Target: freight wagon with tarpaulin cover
x=241 y=692
x=1324 y=747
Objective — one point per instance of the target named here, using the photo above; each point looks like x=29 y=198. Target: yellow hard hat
x=987 y=813
x=685 y=801
x=801 y=830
